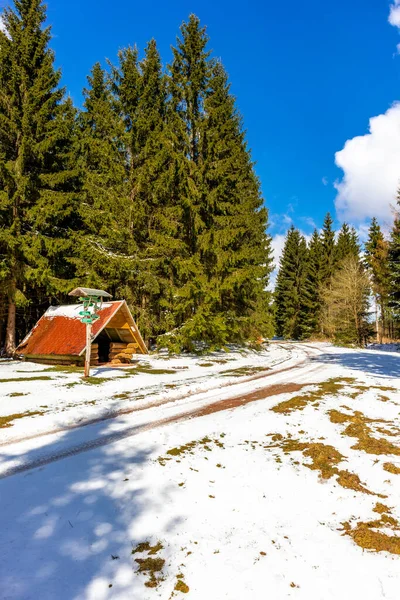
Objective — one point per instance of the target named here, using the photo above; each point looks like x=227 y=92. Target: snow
x=237 y=520
x=385 y=347
x=71 y=311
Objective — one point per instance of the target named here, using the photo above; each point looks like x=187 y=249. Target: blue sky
x=308 y=76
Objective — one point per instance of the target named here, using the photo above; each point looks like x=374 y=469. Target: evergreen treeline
x=149 y=191
x=324 y=288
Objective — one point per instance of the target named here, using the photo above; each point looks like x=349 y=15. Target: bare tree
x=345 y=303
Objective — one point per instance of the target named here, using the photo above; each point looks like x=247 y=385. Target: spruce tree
x=107 y=251
x=157 y=212
x=38 y=179
x=290 y=287
x=328 y=249
x=347 y=243
x=394 y=271
x=376 y=260
x=187 y=84
x=234 y=249
x=312 y=288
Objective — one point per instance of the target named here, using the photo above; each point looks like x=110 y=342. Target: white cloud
x=277 y=244
x=371 y=166
x=325 y=181
x=394 y=15
x=2 y=26
x=309 y=221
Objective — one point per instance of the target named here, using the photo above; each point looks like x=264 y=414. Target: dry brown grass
x=391 y=468
x=8 y=420
x=152 y=567
x=358 y=427
x=369 y=535
x=326 y=388
x=324 y=459
x=206 y=443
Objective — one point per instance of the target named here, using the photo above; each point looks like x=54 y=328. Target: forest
x=149 y=191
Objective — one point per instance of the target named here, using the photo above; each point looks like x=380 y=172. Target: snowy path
x=296 y=366
x=219 y=477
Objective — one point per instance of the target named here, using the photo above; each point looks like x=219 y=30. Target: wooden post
x=88 y=348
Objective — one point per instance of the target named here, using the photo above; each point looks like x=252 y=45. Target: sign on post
x=88 y=318
x=92 y=301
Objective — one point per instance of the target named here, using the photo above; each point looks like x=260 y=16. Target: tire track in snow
x=203 y=410
x=162 y=402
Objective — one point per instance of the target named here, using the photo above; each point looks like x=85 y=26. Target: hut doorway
x=103 y=342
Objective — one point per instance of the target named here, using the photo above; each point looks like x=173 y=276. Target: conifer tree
x=234 y=249
x=347 y=243
x=107 y=248
x=290 y=287
x=376 y=259
x=394 y=270
x=328 y=249
x=38 y=180
x=188 y=81
x=312 y=288
x=157 y=213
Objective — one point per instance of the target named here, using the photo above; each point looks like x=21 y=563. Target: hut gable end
x=60 y=332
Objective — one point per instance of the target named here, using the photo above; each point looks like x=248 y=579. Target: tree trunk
x=11 y=321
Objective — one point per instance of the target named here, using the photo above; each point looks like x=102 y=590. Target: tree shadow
x=67 y=528
x=367 y=361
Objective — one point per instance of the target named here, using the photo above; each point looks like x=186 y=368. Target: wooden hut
x=59 y=337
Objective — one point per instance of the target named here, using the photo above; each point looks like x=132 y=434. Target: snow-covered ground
x=211 y=473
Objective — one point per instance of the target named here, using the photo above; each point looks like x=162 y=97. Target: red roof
x=61 y=332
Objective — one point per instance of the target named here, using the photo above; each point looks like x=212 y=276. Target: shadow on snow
x=369 y=362
x=62 y=523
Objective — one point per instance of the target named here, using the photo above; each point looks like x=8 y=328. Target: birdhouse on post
x=92 y=301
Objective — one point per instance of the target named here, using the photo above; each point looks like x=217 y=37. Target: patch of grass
x=146 y=547
x=326 y=388
x=123 y=396
x=7 y=421
x=243 y=371
x=16 y=394
x=35 y=378
x=324 y=458
x=381 y=508
x=369 y=535
x=95 y=380
x=206 y=364
x=147 y=369
x=152 y=567
x=181 y=587
x=391 y=468
x=65 y=369
x=358 y=427
x=206 y=443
